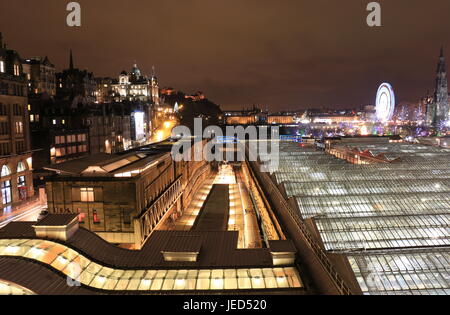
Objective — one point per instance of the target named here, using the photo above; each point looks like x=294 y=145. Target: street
x=28 y=213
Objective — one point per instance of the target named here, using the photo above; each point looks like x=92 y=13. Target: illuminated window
x=16 y=70
x=87 y=194
x=81 y=137
x=21 y=167
x=5 y=171
x=6 y=192
x=2 y=66
x=21 y=181
x=19 y=127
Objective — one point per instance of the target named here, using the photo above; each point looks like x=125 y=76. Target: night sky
x=283 y=54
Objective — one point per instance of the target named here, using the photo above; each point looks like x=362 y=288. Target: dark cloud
x=281 y=54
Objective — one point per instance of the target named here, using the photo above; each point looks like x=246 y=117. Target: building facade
x=135 y=86
x=109 y=130
x=15 y=154
x=76 y=85
x=61 y=133
x=41 y=76
x=124 y=197
x=104 y=92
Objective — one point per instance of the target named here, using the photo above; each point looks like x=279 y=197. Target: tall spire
x=441 y=99
x=71 y=61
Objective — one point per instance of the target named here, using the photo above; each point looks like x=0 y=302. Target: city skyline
x=263 y=57
x=228 y=150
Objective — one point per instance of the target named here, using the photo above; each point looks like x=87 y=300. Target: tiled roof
x=282 y=246
x=217 y=249
x=57 y=220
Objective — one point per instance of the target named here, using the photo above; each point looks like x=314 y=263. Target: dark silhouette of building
x=438 y=111
x=76 y=85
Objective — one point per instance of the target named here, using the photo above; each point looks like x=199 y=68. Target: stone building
x=249 y=116
x=109 y=128
x=104 y=92
x=61 y=133
x=15 y=154
x=125 y=196
x=135 y=86
x=41 y=76
x=76 y=85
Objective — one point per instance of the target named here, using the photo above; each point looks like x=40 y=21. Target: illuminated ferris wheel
x=385 y=103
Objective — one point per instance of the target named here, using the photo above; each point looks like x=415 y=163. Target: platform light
x=36 y=252
x=12 y=250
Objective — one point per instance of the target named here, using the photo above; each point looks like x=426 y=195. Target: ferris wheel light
x=385 y=103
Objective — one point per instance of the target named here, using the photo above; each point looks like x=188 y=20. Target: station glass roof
x=91 y=274
x=384 y=217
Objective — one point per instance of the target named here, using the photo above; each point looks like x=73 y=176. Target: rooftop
x=385 y=217
x=104 y=268
x=57 y=220
x=125 y=164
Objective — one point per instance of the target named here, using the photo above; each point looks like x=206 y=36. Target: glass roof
x=7 y=288
x=346 y=234
x=406 y=272
x=389 y=207
x=92 y=274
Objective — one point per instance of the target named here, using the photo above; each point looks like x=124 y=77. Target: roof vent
x=57 y=226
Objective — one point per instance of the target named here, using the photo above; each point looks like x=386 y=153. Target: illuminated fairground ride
x=385 y=103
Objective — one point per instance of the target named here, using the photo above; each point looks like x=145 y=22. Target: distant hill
x=210 y=112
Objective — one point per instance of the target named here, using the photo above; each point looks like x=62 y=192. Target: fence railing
x=148 y=220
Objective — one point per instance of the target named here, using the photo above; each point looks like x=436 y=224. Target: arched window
x=21 y=167
x=5 y=171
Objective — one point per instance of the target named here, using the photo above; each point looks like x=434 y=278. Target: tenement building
x=15 y=154
x=76 y=85
x=41 y=76
x=61 y=133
